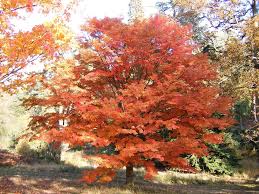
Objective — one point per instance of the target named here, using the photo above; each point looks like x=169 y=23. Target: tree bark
x=255 y=107
x=241 y=123
x=255 y=60
x=129 y=174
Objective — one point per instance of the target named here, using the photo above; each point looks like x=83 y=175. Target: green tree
x=13 y=119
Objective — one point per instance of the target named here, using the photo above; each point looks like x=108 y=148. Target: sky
x=109 y=8
x=112 y=8
x=88 y=9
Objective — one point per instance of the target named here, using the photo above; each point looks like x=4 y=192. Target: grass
x=249 y=167
x=53 y=178
x=65 y=178
x=56 y=178
x=247 y=173
x=201 y=178
x=76 y=159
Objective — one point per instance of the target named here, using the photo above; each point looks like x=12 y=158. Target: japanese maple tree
x=133 y=84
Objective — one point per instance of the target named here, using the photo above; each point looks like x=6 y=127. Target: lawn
x=54 y=178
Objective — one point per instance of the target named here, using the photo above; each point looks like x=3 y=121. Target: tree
x=132 y=83
x=20 y=51
x=136 y=10
x=187 y=13
x=238 y=56
x=239 y=69
x=12 y=119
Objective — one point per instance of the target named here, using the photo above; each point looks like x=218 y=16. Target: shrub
x=23 y=148
x=38 y=150
x=223 y=158
x=242 y=110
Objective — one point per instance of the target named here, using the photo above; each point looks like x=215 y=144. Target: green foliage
x=50 y=153
x=242 y=109
x=217 y=165
x=23 y=148
x=92 y=150
x=38 y=150
x=194 y=161
x=165 y=133
x=211 y=164
x=222 y=159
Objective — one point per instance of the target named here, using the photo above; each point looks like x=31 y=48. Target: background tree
x=132 y=82
x=236 y=24
x=13 y=119
x=21 y=50
x=187 y=13
x=136 y=10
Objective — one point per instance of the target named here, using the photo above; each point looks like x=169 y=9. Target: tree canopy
x=131 y=82
x=23 y=49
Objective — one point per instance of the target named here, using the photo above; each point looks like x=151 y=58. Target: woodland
x=166 y=103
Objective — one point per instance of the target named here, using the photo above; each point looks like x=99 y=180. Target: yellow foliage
x=237 y=73
x=44 y=43
x=191 y=4
x=252 y=30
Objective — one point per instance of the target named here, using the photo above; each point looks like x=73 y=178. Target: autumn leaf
x=132 y=101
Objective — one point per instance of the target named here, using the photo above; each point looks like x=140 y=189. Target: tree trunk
x=241 y=123
x=255 y=60
x=129 y=174
x=255 y=107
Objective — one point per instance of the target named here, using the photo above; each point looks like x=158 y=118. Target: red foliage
x=134 y=80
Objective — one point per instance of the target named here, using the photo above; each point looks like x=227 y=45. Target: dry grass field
x=59 y=179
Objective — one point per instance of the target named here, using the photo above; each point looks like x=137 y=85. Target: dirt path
x=55 y=179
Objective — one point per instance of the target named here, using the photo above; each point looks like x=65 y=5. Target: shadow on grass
x=48 y=178
x=42 y=171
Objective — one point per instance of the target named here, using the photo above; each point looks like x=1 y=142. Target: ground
x=55 y=179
